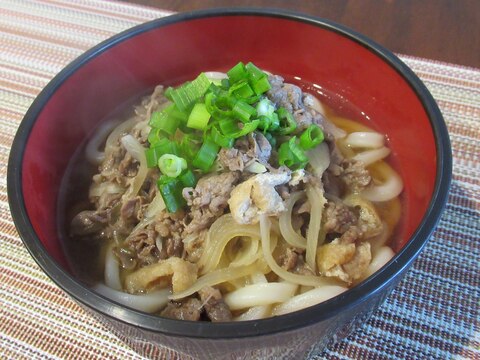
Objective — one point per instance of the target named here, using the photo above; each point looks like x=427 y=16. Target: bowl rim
x=395 y=268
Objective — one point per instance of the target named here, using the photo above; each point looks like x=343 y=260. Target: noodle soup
x=232 y=197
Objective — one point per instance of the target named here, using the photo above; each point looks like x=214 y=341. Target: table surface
x=434 y=312
x=446 y=30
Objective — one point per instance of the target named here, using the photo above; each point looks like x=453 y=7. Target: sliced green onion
x=265 y=107
x=163 y=121
x=311 y=137
x=237 y=72
x=206 y=156
x=225 y=83
x=198 y=118
x=242 y=90
x=291 y=155
x=189 y=145
x=171 y=165
x=228 y=126
x=254 y=73
x=221 y=140
x=261 y=86
x=152 y=157
x=247 y=129
x=154 y=136
x=243 y=111
x=188 y=178
x=287 y=122
x=219 y=105
x=171 y=191
x=163 y=146
x=271 y=139
x=257 y=79
x=187 y=94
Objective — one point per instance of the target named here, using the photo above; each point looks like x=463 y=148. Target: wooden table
x=445 y=30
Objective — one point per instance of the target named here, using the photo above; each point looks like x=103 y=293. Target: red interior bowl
x=376 y=86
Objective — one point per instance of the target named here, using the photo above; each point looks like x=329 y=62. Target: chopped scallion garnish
x=311 y=137
x=206 y=155
x=291 y=155
x=171 y=191
x=198 y=118
x=171 y=165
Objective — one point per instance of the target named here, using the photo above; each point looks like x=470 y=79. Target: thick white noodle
x=319 y=159
x=365 y=139
x=390 y=188
x=309 y=298
x=258 y=278
x=150 y=303
x=255 y=312
x=259 y=294
x=92 y=150
x=370 y=156
x=285 y=223
x=112 y=271
x=137 y=151
x=317 y=202
x=379 y=240
x=380 y=257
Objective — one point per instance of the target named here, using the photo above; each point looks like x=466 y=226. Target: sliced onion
x=117 y=133
x=285 y=223
x=247 y=256
x=96 y=190
x=217 y=277
x=155 y=207
x=314 y=236
x=309 y=280
x=137 y=151
x=221 y=232
x=319 y=159
x=112 y=271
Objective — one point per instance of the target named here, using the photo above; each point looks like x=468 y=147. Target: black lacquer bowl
x=170 y=50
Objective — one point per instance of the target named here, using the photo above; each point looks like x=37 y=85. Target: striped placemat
x=433 y=314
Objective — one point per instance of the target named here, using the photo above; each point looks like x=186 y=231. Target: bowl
x=357 y=77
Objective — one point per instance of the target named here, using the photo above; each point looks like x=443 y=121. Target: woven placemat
x=433 y=314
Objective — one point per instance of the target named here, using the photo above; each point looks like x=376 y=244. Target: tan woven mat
x=433 y=314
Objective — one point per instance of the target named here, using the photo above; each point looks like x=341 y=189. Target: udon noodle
x=258 y=234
